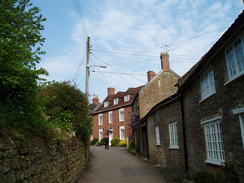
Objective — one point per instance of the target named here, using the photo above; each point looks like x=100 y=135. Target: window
x=106 y=104
x=207 y=84
x=235 y=59
x=126 y=98
x=110 y=116
x=116 y=101
x=240 y=112
x=100 y=134
x=214 y=141
x=100 y=119
x=173 y=136
x=121 y=114
x=122 y=132
x=157 y=135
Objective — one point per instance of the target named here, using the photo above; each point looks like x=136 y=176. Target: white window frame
x=126 y=98
x=207 y=84
x=110 y=117
x=240 y=113
x=214 y=141
x=173 y=136
x=157 y=135
x=121 y=114
x=106 y=104
x=116 y=101
x=100 y=119
x=235 y=65
x=122 y=133
x=100 y=134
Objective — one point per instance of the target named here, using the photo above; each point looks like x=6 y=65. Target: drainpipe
x=184 y=130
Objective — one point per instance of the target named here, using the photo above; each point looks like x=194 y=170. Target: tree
x=66 y=106
x=20 y=41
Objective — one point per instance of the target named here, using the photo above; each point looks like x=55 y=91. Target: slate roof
x=121 y=103
x=214 y=50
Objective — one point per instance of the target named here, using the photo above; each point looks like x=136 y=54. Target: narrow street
x=116 y=165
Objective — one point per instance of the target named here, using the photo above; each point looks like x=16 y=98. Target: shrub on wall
x=65 y=106
x=115 y=141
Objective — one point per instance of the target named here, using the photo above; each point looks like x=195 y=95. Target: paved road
x=116 y=165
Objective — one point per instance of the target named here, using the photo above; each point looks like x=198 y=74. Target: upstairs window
x=100 y=119
x=126 y=98
x=106 y=104
x=207 y=84
x=121 y=114
x=235 y=59
x=110 y=117
x=116 y=101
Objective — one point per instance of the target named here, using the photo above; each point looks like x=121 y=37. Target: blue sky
x=128 y=36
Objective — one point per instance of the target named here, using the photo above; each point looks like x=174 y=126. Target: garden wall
x=39 y=160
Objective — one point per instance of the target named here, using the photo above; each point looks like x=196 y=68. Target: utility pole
x=87 y=67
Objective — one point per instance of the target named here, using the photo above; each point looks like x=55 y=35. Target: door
x=110 y=136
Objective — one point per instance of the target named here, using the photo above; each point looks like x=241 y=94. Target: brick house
x=113 y=116
x=158 y=88
x=213 y=104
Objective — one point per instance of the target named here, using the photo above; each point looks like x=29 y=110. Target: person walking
x=106 y=141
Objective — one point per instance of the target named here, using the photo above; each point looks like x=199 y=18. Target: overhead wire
x=118 y=69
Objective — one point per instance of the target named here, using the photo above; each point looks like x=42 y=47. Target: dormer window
x=116 y=101
x=126 y=98
x=106 y=104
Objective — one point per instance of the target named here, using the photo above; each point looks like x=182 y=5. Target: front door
x=110 y=136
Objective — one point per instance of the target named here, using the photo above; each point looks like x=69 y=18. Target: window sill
x=173 y=148
x=207 y=97
x=158 y=144
x=218 y=163
x=234 y=78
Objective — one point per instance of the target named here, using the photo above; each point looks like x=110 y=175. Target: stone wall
x=228 y=96
x=156 y=90
x=39 y=160
x=163 y=155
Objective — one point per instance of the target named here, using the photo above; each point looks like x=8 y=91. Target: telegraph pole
x=87 y=67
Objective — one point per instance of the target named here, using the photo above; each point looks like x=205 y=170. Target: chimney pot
x=95 y=100
x=111 y=91
x=150 y=75
x=165 y=61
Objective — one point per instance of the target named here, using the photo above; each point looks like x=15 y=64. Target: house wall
x=228 y=97
x=162 y=154
x=158 y=89
x=114 y=125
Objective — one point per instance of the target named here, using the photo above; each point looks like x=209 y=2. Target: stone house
x=165 y=134
x=158 y=88
x=113 y=116
x=213 y=104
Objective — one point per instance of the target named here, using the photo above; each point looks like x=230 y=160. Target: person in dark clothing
x=106 y=141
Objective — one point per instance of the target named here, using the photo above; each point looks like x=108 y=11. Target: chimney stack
x=95 y=100
x=150 y=75
x=165 y=61
x=110 y=91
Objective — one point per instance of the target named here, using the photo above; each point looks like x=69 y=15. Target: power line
x=101 y=73
x=119 y=73
x=119 y=70
x=81 y=18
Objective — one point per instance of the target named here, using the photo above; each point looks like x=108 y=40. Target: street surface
x=116 y=165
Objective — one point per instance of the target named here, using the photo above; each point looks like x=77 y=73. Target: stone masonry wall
x=158 y=89
x=162 y=154
x=36 y=160
x=227 y=97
